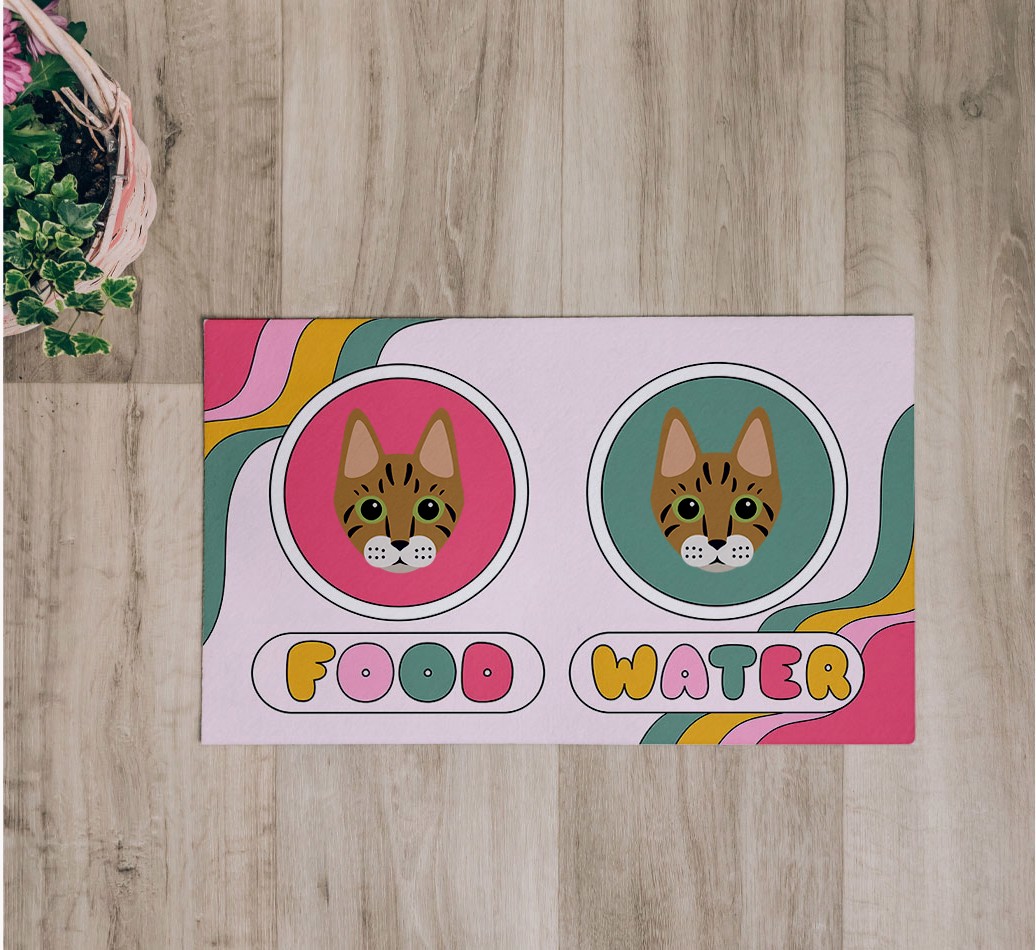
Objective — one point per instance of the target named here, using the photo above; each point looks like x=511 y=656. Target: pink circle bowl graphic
x=391 y=417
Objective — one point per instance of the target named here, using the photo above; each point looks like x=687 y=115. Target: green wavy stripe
x=891 y=556
x=668 y=729
x=222 y=466
x=361 y=349
x=895 y=533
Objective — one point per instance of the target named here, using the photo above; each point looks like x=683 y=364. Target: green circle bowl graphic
x=716 y=407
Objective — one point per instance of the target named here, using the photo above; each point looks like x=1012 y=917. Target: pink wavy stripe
x=269 y=373
x=859 y=634
x=229 y=349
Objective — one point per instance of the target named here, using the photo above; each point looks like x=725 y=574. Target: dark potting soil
x=80 y=155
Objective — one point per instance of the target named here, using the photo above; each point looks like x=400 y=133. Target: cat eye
x=745 y=508
x=427 y=510
x=687 y=508
x=370 y=509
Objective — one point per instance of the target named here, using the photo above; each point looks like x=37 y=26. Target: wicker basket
x=107 y=114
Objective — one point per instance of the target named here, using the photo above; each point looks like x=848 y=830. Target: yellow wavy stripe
x=312 y=368
x=899 y=600
x=713 y=728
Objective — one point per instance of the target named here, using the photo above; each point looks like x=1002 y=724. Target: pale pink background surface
x=557 y=381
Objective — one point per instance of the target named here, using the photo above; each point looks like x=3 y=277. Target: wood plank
x=204 y=80
x=938 y=836
x=704 y=172
x=704 y=156
x=414 y=846
x=121 y=829
x=422 y=159
x=433 y=187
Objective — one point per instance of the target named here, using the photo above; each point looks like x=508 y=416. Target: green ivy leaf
x=92 y=301
x=16 y=254
x=27 y=225
x=77 y=30
x=35 y=208
x=49 y=73
x=14 y=185
x=31 y=310
x=57 y=341
x=67 y=188
x=15 y=282
x=26 y=140
x=63 y=276
x=91 y=272
x=119 y=290
x=87 y=344
x=78 y=219
x=42 y=175
x=64 y=241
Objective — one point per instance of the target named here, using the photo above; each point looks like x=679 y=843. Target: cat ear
x=677 y=448
x=436 y=451
x=754 y=446
x=360 y=449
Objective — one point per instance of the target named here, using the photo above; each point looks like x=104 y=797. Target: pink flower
x=35 y=47
x=16 y=70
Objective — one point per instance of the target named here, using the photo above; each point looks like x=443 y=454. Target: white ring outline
x=595 y=499
x=306 y=414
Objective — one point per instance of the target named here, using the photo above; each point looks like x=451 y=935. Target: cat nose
x=715 y=543
x=399 y=545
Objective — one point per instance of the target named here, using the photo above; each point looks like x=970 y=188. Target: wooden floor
x=490 y=157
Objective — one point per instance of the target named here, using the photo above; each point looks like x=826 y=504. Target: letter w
x=612 y=675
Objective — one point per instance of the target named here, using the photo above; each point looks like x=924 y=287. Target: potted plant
x=78 y=196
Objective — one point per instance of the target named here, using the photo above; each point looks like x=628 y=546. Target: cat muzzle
x=698 y=551
x=399 y=556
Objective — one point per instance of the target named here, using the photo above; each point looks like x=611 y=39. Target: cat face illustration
x=715 y=509
x=398 y=510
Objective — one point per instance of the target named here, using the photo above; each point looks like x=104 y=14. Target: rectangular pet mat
x=579 y=530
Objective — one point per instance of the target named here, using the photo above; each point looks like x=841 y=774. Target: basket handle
x=95 y=83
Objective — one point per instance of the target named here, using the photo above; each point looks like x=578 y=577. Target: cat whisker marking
x=665 y=511
x=452 y=513
x=671 y=529
x=353 y=530
x=768 y=510
x=348 y=511
x=761 y=528
x=730 y=525
x=444 y=529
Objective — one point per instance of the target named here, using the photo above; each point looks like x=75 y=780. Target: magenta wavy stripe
x=270 y=367
x=859 y=633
